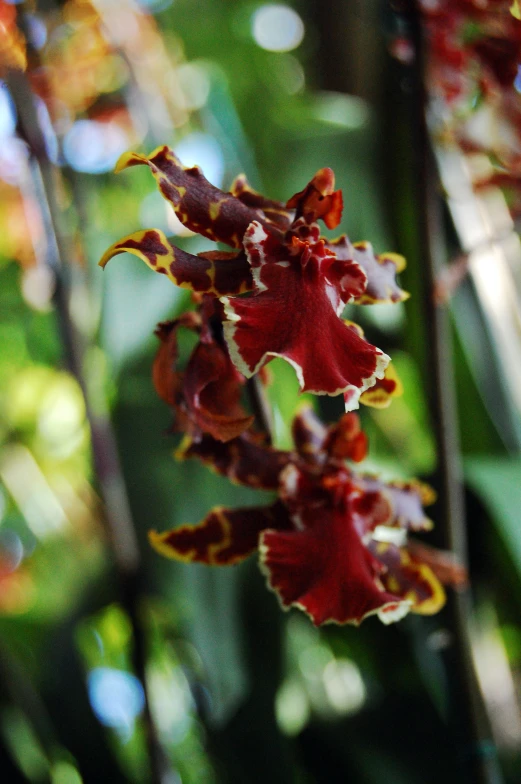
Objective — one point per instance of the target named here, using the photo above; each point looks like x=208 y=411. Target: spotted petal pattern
x=409 y=578
x=299 y=281
x=198 y=204
x=224 y=537
x=244 y=461
x=380 y=269
x=209 y=273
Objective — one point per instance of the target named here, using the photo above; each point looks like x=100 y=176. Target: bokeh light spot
x=64 y=773
x=201 y=149
x=94 y=147
x=7 y=112
x=195 y=85
x=277 y=28
x=344 y=686
x=517 y=80
x=292 y=708
x=116 y=697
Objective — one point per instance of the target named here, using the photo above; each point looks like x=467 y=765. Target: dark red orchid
x=299 y=281
x=471 y=46
x=473 y=54
x=334 y=544
x=300 y=288
x=205 y=396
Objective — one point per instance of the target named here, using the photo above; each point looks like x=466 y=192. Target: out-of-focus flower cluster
x=474 y=81
x=12 y=42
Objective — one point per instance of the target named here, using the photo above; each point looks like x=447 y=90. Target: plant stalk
x=117 y=514
x=468 y=716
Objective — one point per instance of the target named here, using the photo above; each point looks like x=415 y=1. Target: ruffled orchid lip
x=273 y=322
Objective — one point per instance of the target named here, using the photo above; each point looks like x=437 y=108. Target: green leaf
x=497 y=483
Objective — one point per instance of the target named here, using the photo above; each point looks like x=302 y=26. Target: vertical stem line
x=261 y=406
x=117 y=513
x=468 y=717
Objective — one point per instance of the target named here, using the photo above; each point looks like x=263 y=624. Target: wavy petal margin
x=212 y=391
x=292 y=315
x=407 y=500
x=210 y=273
x=326 y=571
x=223 y=538
x=198 y=204
x=384 y=390
x=409 y=578
x=381 y=270
x=319 y=200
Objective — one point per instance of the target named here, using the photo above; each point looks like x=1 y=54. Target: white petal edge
x=385 y=616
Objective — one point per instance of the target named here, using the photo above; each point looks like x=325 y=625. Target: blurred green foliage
x=240 y=693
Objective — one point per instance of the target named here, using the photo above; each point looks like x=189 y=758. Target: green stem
x=468 y=714
x=117 y=513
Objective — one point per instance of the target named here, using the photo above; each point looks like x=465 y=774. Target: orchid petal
x=244 y=460
x=319 y=200
x=381 y=394
x=407 y=500
x=326 y=571
x=224 y=537
x=293 y=310
x=381 y=270
x=211 y=273
x=198 y=204
x=274 y=212
x=409 y=578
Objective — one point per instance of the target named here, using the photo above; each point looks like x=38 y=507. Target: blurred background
x=236 y=691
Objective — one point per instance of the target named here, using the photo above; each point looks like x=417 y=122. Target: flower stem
x=117 y=513
x=468 y=714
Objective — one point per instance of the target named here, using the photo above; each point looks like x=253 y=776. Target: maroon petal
x=292 y=315
x=407 y=500
x=213 y=273
x=445 y=565
x=168 y=382
x=326 y=571
x=212 y=390
x=319 y=200
x=407 y=577
x=243 y=460
x=274 y=212
x=346 y=440
x=198 y=204
x=309 y=433
x=381 y=270
x=224 y=537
